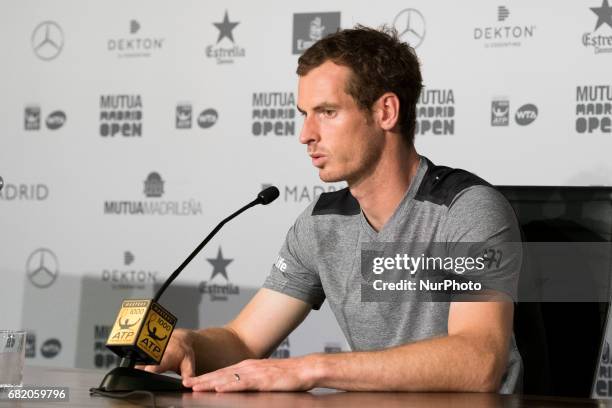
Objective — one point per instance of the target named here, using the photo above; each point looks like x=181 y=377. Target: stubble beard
x=365 y=168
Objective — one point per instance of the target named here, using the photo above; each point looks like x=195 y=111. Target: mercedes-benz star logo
x=410 y=26
x=42 y=268
x=47 y=40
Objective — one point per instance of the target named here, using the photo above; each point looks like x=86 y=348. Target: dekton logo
x=128 y=258
x=436 y=112
x=129 y=278
x=273 y=113
x=135 y=46
x=224 y=54
x=498 y=36
x=502 y=13
x=594 y=109
x=600 y=39
x=154 y=188
x=219 y=291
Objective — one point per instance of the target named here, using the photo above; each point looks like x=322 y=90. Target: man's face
x=343 y=141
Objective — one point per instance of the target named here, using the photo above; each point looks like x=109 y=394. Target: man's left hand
x=290 y=374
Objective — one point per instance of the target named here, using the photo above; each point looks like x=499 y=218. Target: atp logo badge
x=500 y=112
x=155 y=335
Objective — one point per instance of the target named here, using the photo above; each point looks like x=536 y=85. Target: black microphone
x=2 y=185
x=143 y=327
x=268 y=195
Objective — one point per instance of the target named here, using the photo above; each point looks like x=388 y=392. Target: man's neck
x=380 y=193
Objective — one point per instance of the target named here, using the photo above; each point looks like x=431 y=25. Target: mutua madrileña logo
x=154 y=188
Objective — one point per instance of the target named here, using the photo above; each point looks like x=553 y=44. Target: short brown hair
x=380 y=63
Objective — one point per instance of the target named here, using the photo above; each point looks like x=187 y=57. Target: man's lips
x=317 y=159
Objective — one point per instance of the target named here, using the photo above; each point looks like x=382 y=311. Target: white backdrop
x=230 y=63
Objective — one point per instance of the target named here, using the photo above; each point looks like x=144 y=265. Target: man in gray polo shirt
x=358 y=91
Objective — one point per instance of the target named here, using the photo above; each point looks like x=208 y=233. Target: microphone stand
x=127 y=378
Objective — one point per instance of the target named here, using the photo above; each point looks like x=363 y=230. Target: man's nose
x=309 y=132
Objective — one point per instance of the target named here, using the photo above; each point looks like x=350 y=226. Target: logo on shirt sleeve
x=280 y=264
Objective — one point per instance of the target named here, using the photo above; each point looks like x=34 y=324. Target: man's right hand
x=257 y=330
x=179 y=356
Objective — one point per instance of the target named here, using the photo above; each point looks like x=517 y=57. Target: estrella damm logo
x=156 y=332
x=128 y=323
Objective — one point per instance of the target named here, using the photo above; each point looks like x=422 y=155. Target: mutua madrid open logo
x=120 y=115
x=600 y=39
x=215 y=290
x=273 y=114
x=594 y=109
x=154 y=189
x=436 y=112
x=103 y=357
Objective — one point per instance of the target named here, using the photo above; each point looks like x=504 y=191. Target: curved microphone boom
x=265 y=197
x=143 y=327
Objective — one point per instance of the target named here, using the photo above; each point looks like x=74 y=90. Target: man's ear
x=387 y=110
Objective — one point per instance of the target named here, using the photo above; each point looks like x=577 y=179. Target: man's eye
x=329 y=113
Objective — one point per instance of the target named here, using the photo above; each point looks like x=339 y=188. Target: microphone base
x=124 y=379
